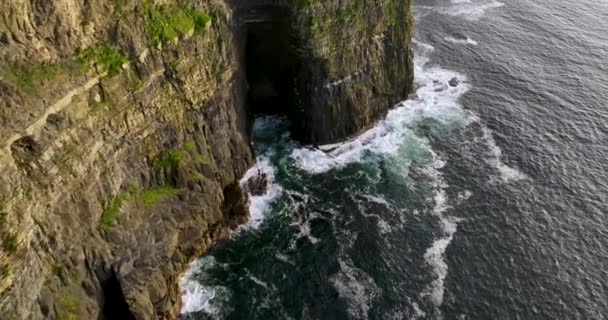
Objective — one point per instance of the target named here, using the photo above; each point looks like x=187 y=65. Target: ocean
x=484 y=196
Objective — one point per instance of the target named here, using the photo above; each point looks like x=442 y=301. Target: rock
x=257 y=184
x=454 y=82
x=5 y=38
x=439 y=87
x=143 y=55
x=459 y=36
x=189 y=34
x=179 y=136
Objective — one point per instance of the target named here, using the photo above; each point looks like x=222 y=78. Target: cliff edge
x=124 y=130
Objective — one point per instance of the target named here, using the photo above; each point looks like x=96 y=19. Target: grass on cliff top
x=109 y=58
x=167 y=22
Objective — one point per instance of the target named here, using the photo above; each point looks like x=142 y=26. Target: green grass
x=9 y=243
x=167 y=22
x=190 y=145
x=57 y=270
x=150 y=197
x=200 y=159
x=201 y=20
x=27 y=77
x=112 y=210
x=169 y=159
x=68 y=308
x=5 y=271
x=119 y=6
x=110 y=58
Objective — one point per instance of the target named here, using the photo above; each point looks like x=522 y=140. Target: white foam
x=305 y=232
x=383 y=226
x=260 y=204
x=466 y=40
x=435 y=99
x=210 y=299
x=357 y=289
x=464 y=196
x=507 y=173
x=259 y=282
x=418 y=313
x=197 y=297
x=466 y=9
x=378 y=199
x=284 y=258
x=470 y=10
x=435 y=255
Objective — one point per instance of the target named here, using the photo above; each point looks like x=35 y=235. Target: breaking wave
x=436 y=99
x=197 y=297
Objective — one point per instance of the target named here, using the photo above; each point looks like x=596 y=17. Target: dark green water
x=485 y=198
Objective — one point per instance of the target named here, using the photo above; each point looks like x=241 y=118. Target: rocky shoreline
x=125 y=131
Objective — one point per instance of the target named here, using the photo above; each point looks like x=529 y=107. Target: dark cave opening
x=272 y=63
x=115 y=305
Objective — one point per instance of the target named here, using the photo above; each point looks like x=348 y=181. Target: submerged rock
x=257 y=184
x=117 y=174
x=454 y=82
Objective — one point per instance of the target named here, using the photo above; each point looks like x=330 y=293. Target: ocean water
x=483 y=198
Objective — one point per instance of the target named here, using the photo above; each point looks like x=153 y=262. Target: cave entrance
x=115 y=305
x=271 y=62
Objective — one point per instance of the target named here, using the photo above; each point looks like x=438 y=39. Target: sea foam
x=506 y=173
x=435 y=255
x=197 y=297
x=465 y=40
x=260 y=204
x=210 y=299
x=435 y=99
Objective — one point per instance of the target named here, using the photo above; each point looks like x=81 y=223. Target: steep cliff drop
x=125 y=131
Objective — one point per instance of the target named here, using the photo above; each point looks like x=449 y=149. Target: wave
x=470 y=10
x=506 y=173
x=466 y=9
x=435 y=255
x=260 y=204
x=436 y=98
x=357 y=288
x=463 y=40
x=364 y=201
x=197 y=297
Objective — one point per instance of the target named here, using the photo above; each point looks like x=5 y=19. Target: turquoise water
x=481 y=198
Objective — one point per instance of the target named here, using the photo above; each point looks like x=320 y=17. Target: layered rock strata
x=124 y=132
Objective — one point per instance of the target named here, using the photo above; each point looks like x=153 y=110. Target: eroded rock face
x=338 y=66
x=121 y=146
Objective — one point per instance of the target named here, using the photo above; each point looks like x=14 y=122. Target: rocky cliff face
x=124 y=132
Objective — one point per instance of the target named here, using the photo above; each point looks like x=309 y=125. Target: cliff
x=124 y=132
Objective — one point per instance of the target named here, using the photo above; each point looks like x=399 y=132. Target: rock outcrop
x=124 y=132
